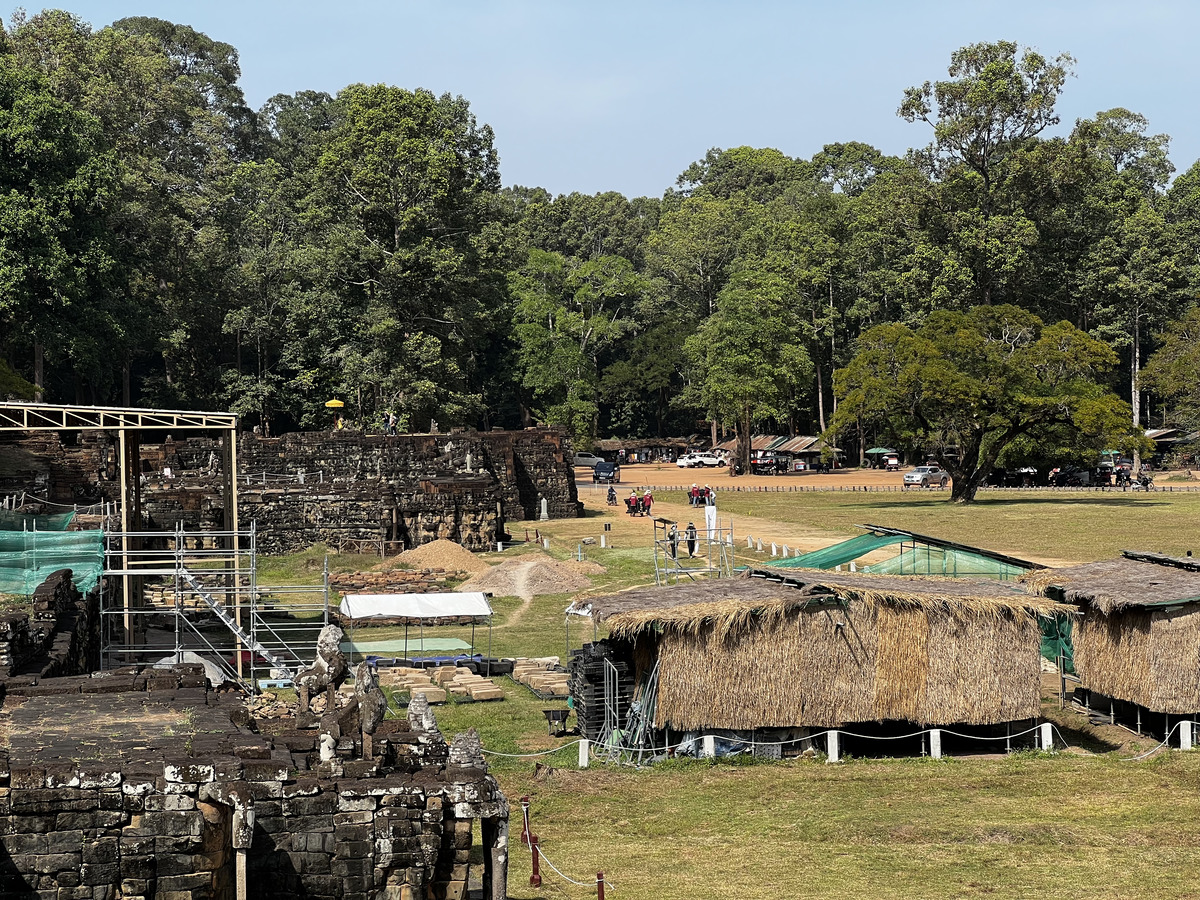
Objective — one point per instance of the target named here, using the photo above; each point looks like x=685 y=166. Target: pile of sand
x=443 y=554
x=525 y=578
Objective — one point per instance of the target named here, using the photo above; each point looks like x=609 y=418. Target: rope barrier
x=531 y=755
x=540 y=852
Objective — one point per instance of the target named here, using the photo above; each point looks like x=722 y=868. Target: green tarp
x=11 y=520
x=944 y=561
x=840 y=554
x=27 y=558
x=1056 y=642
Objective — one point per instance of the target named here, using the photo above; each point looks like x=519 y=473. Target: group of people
x=690 y=537
x=638 y=506
x=702 y=496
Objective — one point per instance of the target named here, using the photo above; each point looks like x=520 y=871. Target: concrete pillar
x=774 y=549
x=832 y=748
x=935 y=743
x=786 y=551
x=749 y=542
x=583 y=753
x=1185 y=735
x=760 y=546
x=1047 y=741
x=603 y=543
x=708 y=746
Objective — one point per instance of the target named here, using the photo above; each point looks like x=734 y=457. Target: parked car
x=891 y=462
x=697 y=460
x=587 y=460
x=606 y=473
x=927 y=476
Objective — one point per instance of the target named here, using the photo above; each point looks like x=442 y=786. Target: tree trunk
x=39 y=367
x=1135 y=395
x=743 y=439
x=820 y=395
x=126 y=392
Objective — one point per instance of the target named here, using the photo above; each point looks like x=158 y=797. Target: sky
x=623 y=95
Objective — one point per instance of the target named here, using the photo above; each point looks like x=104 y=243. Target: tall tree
x=966 y=385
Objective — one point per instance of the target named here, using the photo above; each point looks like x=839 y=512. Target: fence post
x=525 y=820
x=708 y=746
x=1047 y=737
x=832 y=750
x=583 y=753
x=935 y=743
x=1185 y=735
x=535 y=878
x=599 y=886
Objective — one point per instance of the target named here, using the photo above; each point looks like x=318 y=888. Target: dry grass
x=1029 y=826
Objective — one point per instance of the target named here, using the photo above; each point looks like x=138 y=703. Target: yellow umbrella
x=334 y=404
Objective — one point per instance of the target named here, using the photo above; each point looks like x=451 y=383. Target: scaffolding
x=208 y=601
x=701 y=551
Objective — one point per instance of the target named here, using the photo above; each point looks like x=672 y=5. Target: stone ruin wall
x=161 y=814
x=135 y=783
x=462 y=486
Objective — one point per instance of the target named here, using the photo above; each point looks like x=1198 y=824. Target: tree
x=966 y=385
x=567 y=316
x=1173 y=371
x=55 y=181
x=747 y=356
x=983 y=118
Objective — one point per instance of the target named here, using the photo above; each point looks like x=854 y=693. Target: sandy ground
x=670 y=474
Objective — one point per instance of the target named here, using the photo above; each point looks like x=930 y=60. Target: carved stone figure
x=327 y=672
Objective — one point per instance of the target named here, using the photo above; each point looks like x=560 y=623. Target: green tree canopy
x=966 y=385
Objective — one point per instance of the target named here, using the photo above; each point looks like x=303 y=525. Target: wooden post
x=935 y=743
x=535 y=878
x=832 y=750
x=599 y=886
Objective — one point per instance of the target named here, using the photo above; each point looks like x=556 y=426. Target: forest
x=163 y=244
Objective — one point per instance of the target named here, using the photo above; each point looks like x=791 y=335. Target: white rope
x=531 y=755
x=546 y=859
x=979 y=737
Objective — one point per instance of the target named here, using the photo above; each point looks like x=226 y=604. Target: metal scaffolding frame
x=129 y=423
x=244 y=627
x=674 y=561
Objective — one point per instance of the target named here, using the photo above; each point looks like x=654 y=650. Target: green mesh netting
x=839 y=554
x=944 y=561
x=27 y=558
x=1057 y=643
x=11 y=520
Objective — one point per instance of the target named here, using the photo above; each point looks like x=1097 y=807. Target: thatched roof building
x=822 y=649
x=1138 y=639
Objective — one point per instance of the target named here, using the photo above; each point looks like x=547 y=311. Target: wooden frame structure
x=129 y=423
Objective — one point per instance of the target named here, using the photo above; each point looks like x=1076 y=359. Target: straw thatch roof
x=731 y=603
x=820 y=649
x=1136 y=580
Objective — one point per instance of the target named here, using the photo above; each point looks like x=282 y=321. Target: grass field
x=1038 y=525
x=1065 y=825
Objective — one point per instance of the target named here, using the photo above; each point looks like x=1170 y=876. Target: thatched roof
x=732 y=604
x=1136 y=580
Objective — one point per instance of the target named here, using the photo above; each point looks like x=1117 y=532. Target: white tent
x=415 y=606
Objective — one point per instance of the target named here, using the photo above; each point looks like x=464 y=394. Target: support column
x=229 y=469
x=1185 y=735
x=935 y=743
x=129 y=446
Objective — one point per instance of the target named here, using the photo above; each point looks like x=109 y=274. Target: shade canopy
x=880 y=450
x=415 y=606
x=334 y=404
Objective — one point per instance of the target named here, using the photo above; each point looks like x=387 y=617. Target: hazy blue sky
x=622 y=96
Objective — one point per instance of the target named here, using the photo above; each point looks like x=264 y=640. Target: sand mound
x=526 y=578
x=585 y=566
x=442 y=554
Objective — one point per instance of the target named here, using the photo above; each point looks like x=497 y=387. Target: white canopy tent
x=451 y=608
x=416 y=606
